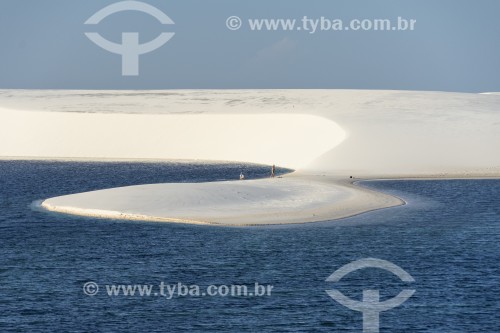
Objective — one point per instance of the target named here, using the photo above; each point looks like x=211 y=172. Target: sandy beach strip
x=285 y=200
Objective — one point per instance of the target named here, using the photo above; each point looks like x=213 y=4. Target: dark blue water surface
x=447 y=238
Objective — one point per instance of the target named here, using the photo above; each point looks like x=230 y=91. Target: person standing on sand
x=242 y=176
x=273 y=170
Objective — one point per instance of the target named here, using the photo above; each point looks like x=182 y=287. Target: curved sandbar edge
x=290 y=199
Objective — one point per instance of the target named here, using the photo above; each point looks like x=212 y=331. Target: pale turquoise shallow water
x=446 y=238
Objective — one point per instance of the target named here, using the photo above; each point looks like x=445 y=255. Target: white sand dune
x=382 y=132
x=267 y=139
x=320 y=132
x=292 y=199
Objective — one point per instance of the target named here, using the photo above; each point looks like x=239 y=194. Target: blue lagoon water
x=446 y=237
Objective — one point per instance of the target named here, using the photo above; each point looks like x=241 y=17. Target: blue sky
x=455 y=46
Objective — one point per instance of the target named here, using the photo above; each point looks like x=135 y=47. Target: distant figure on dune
x=273 y=170
x=242 y=176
